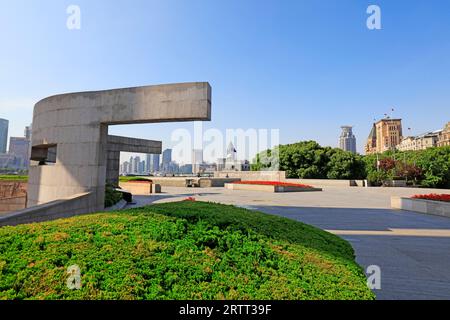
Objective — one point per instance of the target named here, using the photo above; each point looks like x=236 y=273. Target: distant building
x=221 y=164
x=155 y=161
x=371 y=144
x=186 y=169
x=171 y=168
x=166 y=160
x=3 y=135
x=124 y=168
x=136 y=162
x=148 y=163
x=231 y=163
x=27 y=133
x=386 y=135
x=8 y=161
x=141 y=169
x=421 y=142
x=347 y=140
x=197 y=160
x=444 y=136
x=20 y=148
x=407 y=144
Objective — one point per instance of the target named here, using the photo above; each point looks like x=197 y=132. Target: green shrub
x=111 y=196
x=11 y=177
x=308 y=160
x=185 y=250
x=131 y=178
x=376 y=178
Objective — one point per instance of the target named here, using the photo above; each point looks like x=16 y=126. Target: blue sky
x=304 y=67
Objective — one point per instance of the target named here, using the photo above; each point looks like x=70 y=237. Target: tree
x=345 y=165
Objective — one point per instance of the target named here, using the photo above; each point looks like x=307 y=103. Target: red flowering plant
x=190 y=199
x=433 y=197
x=274 y=183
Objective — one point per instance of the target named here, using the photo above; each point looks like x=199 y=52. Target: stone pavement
x=412 y=250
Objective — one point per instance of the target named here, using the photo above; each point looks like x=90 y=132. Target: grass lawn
x=9 y=177
x=130 y=178
x=183 y=250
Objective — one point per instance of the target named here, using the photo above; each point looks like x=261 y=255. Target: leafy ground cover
x=183 y=250
x=133 y=179
x=16 y=178
x=112 y=196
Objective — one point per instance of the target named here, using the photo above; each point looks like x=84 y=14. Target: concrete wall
x=281 y=176
x=328 y=182
x=438 y=208
x=181 y=181
x=137 y=188
x=266 y=188
x=77 y=125
x=13 y=196
x=252 y=175
x=67 y=207
x=8 y=205
x=169 y=181
x=216 y=182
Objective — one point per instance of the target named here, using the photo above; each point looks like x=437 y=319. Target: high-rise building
x=152 y=163
x=197 y=160
x=148 y=163
x=386 y=134
x=124 y=168
x=186 y=169
x=20 y=148
x=3 y=135
x=166 y=159
x=347 y=141
x=167 y=156
x=27 y=132
x=141 y=169
x=156 y=161
x=136 y=165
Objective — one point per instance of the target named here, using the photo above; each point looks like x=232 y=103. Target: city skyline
x=284 y=74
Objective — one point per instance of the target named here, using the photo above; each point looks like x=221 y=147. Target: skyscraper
x=20 y=148
x=347 y=140
x=148 y=163
x=136 y=163
x=166 y=159
x=197 y=160
x=27 y=132
x=3 y=134
x=156 y=161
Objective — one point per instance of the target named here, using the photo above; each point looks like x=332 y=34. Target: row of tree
x=309 y=160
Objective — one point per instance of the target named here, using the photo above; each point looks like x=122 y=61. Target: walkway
x=412 y=250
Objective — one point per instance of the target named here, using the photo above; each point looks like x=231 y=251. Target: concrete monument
x=71 y=150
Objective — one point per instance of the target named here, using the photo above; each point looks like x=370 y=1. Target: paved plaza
x=411 y=249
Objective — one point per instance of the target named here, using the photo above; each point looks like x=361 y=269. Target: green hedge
x=309 y=160
x=184 y=250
